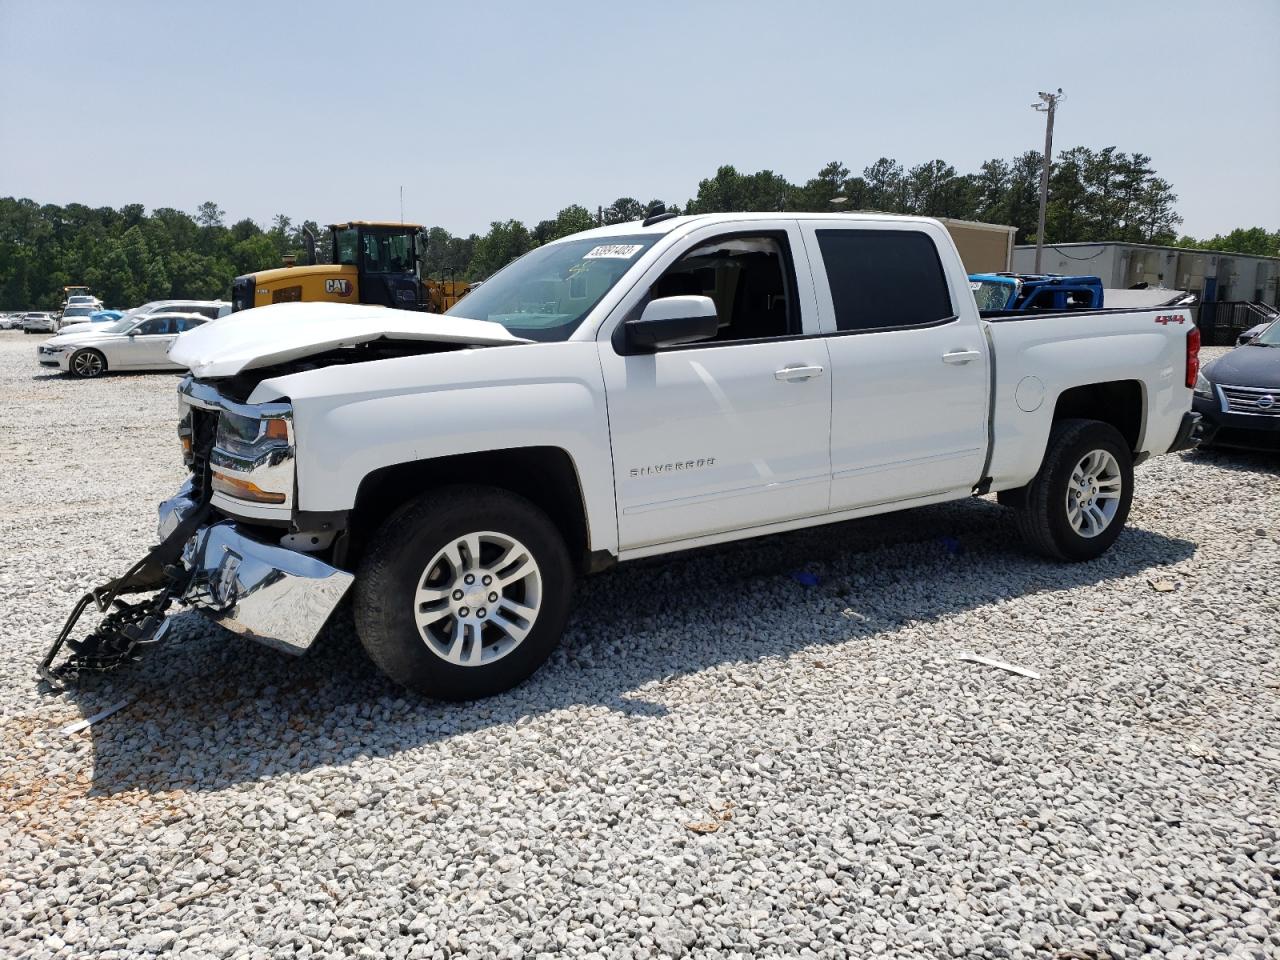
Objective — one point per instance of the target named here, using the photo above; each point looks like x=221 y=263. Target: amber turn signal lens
x=275 y=429
x=243 y=489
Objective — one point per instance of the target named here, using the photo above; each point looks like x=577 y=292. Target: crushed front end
x=229 y=546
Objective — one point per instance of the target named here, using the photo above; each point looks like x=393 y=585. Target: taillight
x=1193 y=356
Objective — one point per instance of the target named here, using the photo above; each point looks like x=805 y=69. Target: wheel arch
x=1120 y=403
x=545 y=475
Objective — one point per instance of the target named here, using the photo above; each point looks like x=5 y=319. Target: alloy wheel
x=1093 y=493
x=87 y=364
x=478 y=598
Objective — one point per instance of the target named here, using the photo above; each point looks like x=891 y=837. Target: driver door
x=732 y=432
x=149 y=345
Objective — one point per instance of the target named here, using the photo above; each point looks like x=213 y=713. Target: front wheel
x=1077 y=504
x=87 y=364
x=463 y=592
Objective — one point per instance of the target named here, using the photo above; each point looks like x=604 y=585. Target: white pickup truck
x=636 y=390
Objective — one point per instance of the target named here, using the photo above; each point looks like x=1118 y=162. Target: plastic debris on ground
x=86 y=722
x=1000 y=665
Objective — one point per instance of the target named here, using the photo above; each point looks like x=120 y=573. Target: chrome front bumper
x=278 y=597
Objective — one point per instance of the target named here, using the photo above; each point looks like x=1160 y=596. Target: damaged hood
x=281 y=332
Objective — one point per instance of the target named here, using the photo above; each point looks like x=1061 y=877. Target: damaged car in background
x=635 y=390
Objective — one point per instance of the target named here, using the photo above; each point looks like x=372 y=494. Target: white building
x=1213 y=275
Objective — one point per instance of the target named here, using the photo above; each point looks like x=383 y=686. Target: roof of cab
x=374 y=223
x=634 y=227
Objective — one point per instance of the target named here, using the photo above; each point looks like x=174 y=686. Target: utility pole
x=1048 y=105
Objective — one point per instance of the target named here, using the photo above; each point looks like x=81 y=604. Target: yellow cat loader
x=372 y=263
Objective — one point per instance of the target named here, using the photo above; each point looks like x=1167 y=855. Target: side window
x=346 y=244
x=150 y=328
x=884 y=278
x=189 y=323
x=750 y=279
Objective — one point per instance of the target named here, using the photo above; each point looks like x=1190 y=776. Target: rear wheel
x=87 y=363
x=463 y=593
x=1077 y=504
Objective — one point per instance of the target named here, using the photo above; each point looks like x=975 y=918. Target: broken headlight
x=252 y=459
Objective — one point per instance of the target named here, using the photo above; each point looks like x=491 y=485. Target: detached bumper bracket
x=128 y=625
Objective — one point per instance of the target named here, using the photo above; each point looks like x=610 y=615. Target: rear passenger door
x=909 y=377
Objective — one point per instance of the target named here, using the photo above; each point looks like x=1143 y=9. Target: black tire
x=394 y=564
x=1041 y=506
x=87 y=368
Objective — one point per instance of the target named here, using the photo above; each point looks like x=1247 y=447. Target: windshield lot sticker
x=613 y=251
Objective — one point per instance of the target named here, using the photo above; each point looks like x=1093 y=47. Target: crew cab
x=636 y=390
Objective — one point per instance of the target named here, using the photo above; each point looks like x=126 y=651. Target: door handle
x=961 y=356
x=799 y=372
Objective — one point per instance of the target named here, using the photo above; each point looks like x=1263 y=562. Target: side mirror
x=670 y=321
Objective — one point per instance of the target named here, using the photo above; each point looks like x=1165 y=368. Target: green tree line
x=128 y=256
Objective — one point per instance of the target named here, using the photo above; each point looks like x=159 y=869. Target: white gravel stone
x=871 y=794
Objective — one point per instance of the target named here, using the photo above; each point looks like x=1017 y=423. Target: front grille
x=1255 y=400
x=204 y=430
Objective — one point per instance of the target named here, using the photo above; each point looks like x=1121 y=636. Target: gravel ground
x=721 y=761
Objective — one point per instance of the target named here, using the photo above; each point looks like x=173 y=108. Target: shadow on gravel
x=1230 y=458
x=213 y=710
x=48 y=373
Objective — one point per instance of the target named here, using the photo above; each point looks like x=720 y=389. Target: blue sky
x=492 y=110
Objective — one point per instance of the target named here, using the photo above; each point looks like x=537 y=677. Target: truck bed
x=1035 y=362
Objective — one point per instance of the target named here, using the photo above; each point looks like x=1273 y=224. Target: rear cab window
x=884 y=279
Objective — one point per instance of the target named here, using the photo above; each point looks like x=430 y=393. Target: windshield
x=121 y=325
x=77 y=311
x=1270 y=337
x=993 y=294
x=545 y=294
x=387 y=252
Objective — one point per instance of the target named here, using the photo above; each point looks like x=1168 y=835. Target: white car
x=212 y=309
x=131 y=343
x=95 y=321
x=39 y=322
x=76 y=313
